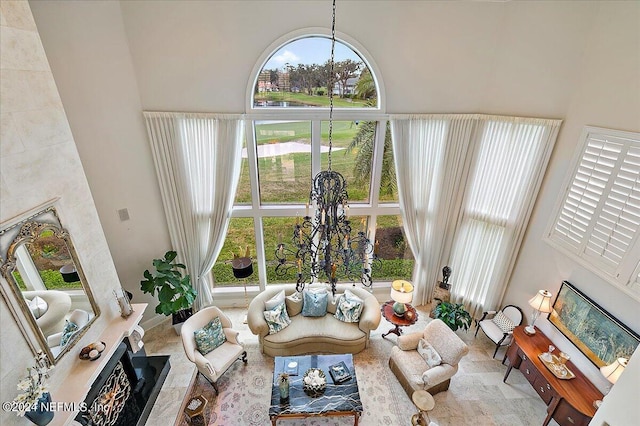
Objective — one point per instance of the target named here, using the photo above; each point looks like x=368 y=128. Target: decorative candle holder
x=124 y=304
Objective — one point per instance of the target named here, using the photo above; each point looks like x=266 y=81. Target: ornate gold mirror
x=46 y=285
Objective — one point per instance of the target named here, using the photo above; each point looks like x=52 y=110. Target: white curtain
x=510 y=157
x=197 y=158
x=430 y=153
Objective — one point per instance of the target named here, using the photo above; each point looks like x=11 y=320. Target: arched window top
x=294 y=73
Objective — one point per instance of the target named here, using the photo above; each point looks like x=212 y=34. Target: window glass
x=351 y=154
x=279 y=230
x=393 y=250
x=388 y=182
x=240 y=235
x=297 y=75
x=243 y=194
x=284 y=161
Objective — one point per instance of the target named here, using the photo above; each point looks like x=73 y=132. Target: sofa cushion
x=316 y=328
x=294 y=303
x=314 y=304
x=274 y=301
x=210 y=336
x=38 y=306
x=503 y=322
x=428 y=353
x=277 y=318
x=70 y=328
x=349 y=307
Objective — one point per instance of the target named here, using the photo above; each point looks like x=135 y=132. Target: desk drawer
x=529 y=371
x=566 y=415
x=544 y=389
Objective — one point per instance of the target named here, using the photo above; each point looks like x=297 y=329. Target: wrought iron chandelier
x=323 y=249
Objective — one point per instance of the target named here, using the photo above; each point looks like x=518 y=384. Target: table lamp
x=401 y=294
x=612 y=373
x=541 y=302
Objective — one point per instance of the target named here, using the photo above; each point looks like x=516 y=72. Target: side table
x=409 y=318
x=425 y=402
x=195 y=411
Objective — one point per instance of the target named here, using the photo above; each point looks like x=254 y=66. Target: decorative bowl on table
x=314 y=381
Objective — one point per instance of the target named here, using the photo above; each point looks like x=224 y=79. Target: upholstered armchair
x=498 y=325
x=215 y=363
x=78 y=317
x=410 y=365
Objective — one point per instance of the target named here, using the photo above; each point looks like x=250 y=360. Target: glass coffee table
x=337 y=399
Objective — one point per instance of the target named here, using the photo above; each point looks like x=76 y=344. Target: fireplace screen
x=111 y=399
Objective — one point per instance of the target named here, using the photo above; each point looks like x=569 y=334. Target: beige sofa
x=411 y=369
x=324 y=334
x=58 y=305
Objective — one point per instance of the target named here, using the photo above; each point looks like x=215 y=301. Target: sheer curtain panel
x=509 y=161
x=430 y=154
x=197 y=159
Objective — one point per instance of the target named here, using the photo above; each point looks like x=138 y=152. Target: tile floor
x=477 y=395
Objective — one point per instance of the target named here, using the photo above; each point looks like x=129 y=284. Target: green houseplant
x=174 y=290
x=454 y=315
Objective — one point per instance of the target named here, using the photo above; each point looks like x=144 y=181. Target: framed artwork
x=598 y=334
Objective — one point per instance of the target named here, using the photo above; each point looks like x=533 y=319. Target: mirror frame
x=26 y=231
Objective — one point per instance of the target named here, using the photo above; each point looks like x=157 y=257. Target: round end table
x=425 y=402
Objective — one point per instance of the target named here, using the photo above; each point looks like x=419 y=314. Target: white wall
x=39 y=162
x=620 y=406
x=607 y=94
x=576 y=60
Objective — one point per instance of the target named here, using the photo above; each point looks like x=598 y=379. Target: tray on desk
x=561 y=371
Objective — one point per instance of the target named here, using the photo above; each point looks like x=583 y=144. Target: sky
x=310 y=50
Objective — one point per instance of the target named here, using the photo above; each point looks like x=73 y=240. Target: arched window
x=297 y=75
x=286 y=146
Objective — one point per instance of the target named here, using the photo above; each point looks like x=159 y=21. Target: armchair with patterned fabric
x=211 y=344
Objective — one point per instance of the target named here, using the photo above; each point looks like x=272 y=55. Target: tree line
x=312 y=78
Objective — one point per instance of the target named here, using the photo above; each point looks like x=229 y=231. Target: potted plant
x=175 y=293
x=454 y=315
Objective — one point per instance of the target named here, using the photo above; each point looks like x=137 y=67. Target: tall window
x=287 y=145
x=508 y=167
x=597 y=221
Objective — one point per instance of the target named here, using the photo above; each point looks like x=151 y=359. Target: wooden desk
x=570 y=402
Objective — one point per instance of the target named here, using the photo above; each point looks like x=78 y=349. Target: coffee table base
x=355 y=414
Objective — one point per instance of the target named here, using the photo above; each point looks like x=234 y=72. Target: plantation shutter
x=599 y=219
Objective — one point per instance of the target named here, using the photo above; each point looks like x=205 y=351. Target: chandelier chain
x=331 y=82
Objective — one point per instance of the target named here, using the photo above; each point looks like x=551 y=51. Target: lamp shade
x=401 y=291
x=541 y=301
x=613 y=371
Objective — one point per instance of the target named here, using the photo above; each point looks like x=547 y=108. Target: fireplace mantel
x=78 y=383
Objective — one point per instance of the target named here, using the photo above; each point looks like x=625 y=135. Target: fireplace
x=126 y=389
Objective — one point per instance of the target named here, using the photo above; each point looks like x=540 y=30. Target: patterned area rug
x=245 y=392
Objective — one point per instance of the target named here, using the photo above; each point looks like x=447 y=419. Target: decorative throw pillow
x=315 y=303
x=70 y=328
x=210 y=336
x=277 y=318
x=38 y=306
x=503 y=322
x=293 y=303
x=428 y=353
x=275 y=300
x=349 y=307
